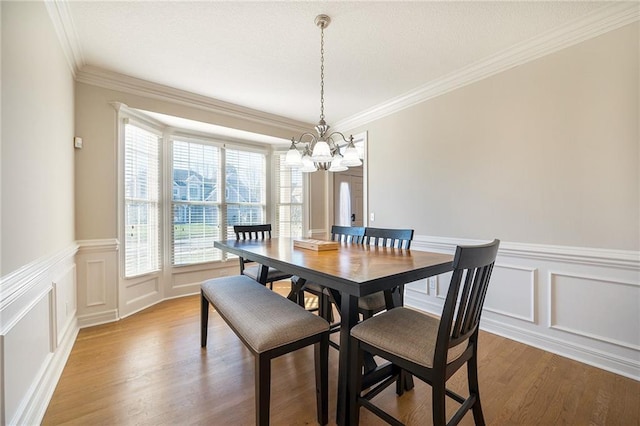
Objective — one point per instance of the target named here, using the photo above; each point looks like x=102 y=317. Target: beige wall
x=37 y=138
x=96 y=163
x=547 y=152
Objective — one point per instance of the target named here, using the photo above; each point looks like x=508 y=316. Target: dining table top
x=355 y=269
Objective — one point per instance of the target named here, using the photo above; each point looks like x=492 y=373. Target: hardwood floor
x=149 y=369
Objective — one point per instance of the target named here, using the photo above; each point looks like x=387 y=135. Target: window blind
x=289 y=198
x=141 y=201
x=195 y=202
x=245 y=190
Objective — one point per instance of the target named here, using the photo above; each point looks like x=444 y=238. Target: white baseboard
x=90 y=320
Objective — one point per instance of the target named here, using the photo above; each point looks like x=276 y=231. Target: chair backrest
x=347 y=234
x=399 y=238
x=252 y=232
x=472 y=266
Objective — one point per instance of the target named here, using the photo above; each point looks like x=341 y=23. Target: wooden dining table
x=350 y=271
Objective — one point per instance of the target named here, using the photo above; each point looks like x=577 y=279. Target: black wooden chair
x=257 y=232
x=344 y=234
x=399 y=238
x=429 y=348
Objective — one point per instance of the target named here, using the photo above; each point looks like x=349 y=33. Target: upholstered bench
x=269 y=325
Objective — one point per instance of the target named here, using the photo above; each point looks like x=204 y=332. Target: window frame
x=276 y=194
x=142 y=123
x=167 y=135
x=223 y=144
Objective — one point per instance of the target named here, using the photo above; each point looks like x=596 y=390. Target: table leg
x=347 y=358
x=295 y=294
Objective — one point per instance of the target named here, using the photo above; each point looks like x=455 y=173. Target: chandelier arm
x=341 y=135
x=299 y=140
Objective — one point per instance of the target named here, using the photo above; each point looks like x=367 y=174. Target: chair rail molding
x=556 y=298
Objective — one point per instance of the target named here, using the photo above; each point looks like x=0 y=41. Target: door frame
x=329 y=182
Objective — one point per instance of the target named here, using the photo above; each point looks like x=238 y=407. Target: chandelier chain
x=322 y=73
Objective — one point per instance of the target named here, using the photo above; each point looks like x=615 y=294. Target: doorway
x=348 y=197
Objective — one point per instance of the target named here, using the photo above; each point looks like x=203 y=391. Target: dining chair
x=344 y=234
x=257 y=232
x=371 y=304
x=399 y=238
x=429 y=348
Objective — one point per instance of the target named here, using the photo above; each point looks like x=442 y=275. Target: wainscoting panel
x=97 y=276
x=612 y=306
x=581 y=303
x=139 y=293
x=66 y=307
x=512 y=292
x=97 y=267
x=38 y=328
x=27 y=345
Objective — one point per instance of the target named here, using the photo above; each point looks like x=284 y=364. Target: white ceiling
x=266 y=55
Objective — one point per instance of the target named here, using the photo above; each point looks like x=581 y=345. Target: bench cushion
x=264 y=319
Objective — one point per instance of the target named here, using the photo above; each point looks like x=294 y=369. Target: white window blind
x=289 y=198
x=195 y=202
x=141 y=201
x=245 y=191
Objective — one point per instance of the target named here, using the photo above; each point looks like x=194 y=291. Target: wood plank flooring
x=149 y=369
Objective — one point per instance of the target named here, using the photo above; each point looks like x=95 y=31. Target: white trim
x=621 y=267
x=532 y=294
x=608 y=18
x=114 y=81
x=625 y=259
x=588 y=355
x=101 y=245
x=90 y=320
x=66 y=31
x=552 y=303
x=21 y=292
x=34 y=407
x=18 y=282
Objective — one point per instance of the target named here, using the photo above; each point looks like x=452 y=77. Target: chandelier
x=321 y=152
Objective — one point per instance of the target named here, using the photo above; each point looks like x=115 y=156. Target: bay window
x=209 y=186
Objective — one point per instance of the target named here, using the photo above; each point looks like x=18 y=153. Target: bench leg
x=263 y=388
x=321 y=354
x=204 y=320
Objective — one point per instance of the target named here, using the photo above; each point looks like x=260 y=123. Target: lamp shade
x=307 y=165
x=321 y=152
x=293 y=158
x=336 y=164
x=351 y=157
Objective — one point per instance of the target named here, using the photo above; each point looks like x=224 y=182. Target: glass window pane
x=195 y=194
x=141 y=203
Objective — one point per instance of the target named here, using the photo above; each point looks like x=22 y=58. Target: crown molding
x=115 y=81
x=69 y=41
x=65 y=29
x=608 y=18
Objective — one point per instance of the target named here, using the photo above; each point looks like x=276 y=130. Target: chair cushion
x=272 y=275
x=372 y=302
x=263 y=318
x=405 y=333
x=316 y=289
